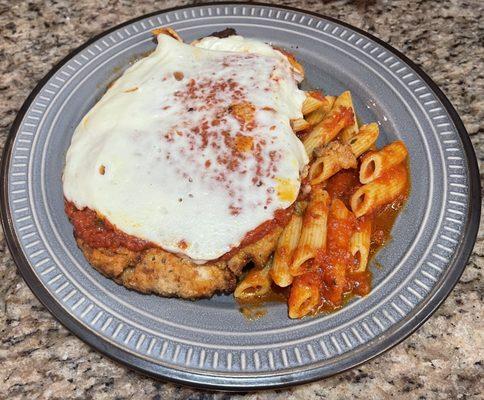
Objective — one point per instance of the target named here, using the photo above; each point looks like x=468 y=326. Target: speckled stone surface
x=39 y=359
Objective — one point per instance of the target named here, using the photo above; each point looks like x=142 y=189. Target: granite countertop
x=443 y=359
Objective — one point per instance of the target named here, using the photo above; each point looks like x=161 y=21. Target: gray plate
x=209 y=343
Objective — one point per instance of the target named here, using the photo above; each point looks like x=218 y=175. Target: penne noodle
x=334 y=157
x=365 y=139
x=360 y=243
x=285 y=249
x=381 y=191
x=256 y=283
x=313 y=101
x=340 y=116
x=339 y=210
x=323 y=168
x=336 y=285
x=341 y=224
x=351 y=130
x=317 y=116
x=313 y=235
x=377 y=163
x=299 y=124
x=304 y=295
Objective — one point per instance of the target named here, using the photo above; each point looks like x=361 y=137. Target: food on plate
x=205 y=159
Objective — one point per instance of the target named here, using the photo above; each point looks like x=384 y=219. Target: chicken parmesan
x=189 y=154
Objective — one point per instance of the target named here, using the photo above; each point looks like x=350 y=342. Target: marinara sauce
x=337 y=266
x=97 y=232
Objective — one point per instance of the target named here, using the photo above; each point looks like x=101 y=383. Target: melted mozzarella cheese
x=166 y=156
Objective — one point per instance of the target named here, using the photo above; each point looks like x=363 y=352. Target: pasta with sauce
x=354 y=194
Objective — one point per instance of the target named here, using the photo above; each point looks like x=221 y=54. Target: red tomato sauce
x=97 y=232
x=340 y=280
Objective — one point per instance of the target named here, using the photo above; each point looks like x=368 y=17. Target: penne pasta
x=313 y=235
x=322 y=168
x=381 y=191
x=317 y=116
x=286 y=246
x=364 y=140
x=256 y=283
x=340 y=116
x=360 y=244
x=335 y=281
x=376 y=163
x=334 y=157
x=313 y=101
x=339 y=211
x=299 y=124
x=341 y=224
x=351 y=130
x=304 y=295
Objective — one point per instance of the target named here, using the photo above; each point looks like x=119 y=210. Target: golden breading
x=157 y=271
